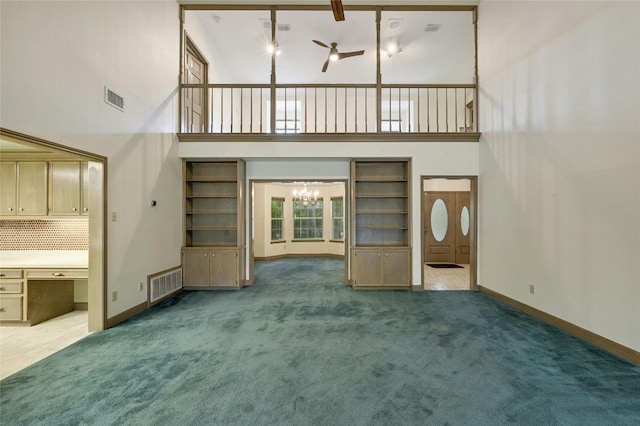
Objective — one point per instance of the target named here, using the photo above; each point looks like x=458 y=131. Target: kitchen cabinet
x=211 y=268
x=380 y=239
x=64 y=191
x=37 y=295
x=12 y=297
x=381 y=267
x=8 y=188
x=214 y=224
x=69 y=189
x=40 y=188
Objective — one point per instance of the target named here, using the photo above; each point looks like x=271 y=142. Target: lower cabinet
x=207 y=268
x=36 y=295
x=381 y=267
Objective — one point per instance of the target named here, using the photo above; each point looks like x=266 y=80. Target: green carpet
x=300 y=348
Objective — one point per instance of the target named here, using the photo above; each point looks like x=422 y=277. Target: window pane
x=307 y=221
x=337 y=214
x=277 y=206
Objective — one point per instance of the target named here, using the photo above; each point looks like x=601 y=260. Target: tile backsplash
x=59 y=234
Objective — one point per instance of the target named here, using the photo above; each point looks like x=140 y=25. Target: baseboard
x=615 y=348
x=284 y=256
x=80 y=306
x=129 y=313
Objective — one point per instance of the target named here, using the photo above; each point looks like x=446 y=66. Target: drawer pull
x=58 y=274
x=2 y=289
x=1 y=309
x=2 y=275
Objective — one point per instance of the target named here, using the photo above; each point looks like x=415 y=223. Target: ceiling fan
x=334 y=55
x=338 y=11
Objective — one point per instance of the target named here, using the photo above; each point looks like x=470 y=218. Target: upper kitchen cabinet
x=32 y=188
x=8 y=188
x=41 y=188
x=68 y=192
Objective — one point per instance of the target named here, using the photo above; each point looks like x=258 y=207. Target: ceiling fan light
x=333 y=57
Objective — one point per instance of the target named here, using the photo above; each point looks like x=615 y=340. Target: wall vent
x=164 y=284
x=283 y=27
x=113 y=99
x=431 y=28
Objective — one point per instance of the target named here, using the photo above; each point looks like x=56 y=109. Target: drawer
x=11 y=308
x=10 y=273
x=10 y=286
x=56 y=274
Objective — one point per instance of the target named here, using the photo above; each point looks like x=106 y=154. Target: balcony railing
x=218 y=110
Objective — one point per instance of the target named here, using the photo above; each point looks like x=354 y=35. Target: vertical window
x=337 y=217
x=277 y=207
x=288 y=116
x=307 y=221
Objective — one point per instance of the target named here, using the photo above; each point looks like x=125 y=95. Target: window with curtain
x=337 y=217
x=307 y=221
x=277 y=208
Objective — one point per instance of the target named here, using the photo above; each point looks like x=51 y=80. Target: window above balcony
x=422 y=88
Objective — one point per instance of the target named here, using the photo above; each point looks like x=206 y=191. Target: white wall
x=330 y=160
x=264 y=192
x=56 y=59
x=560 y=160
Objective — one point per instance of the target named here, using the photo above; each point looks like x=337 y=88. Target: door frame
x=473 y=222
x=250 y=278
x=97 y=315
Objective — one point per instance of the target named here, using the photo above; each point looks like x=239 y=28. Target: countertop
x=30 y=259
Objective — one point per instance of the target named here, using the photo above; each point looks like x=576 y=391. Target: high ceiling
x=437 y=47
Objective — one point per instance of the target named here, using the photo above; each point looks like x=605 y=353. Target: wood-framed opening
x=289 y=184
x=473 y=223
x=97 y=205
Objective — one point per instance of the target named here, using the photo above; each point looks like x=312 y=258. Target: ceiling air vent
x=283 y=27
x=431 y=28
x=113 y=99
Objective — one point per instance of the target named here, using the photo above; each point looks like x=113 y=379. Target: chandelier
x=304 y=196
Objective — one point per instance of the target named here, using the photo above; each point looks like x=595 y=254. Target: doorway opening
x=286 y=224
x=82 y=248
x=448 y=215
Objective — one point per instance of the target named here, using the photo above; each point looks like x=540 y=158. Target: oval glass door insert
x=464 y=220
x=439 y=220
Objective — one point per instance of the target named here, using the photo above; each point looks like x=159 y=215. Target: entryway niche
x=449 y=233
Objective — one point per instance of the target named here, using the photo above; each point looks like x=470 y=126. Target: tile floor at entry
x=21 y=346
x=446 y=278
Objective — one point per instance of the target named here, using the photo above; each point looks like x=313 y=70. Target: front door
x=439 y=227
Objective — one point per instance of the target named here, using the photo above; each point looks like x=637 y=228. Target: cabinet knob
x=2 y=275
x=378 y=254
x=10 y=209
x=74 y=209
x=21 y=209
x=85 y=209
x=205 y=255
x=386 y=254
x=2 y=289
x=1 y=309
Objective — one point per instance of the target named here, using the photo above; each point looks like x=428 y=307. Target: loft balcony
x=328 y=112
x=368 y=94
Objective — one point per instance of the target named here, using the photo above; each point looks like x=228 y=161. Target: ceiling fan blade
x=320 y=44
x=348 y=54
x=338 y=11
x=325 y=66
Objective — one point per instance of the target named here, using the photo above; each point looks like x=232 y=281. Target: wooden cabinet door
x=196 y=268
x=84 y=188
x=367 y=268
x=32 y=188
x=8 y=193
x=396 y=267
x=65 y=188
x=223 y=269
